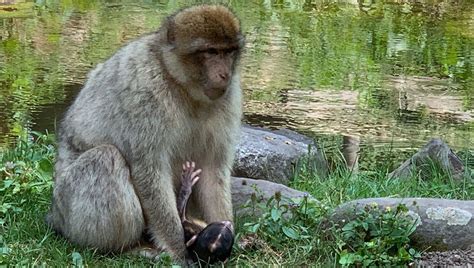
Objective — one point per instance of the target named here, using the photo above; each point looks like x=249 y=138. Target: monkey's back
x=116 y=103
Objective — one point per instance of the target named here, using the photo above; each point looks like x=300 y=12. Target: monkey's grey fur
x=121 y=146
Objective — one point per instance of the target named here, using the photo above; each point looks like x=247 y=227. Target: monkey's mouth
x=215 y=93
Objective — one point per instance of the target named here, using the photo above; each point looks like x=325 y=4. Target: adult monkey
x=164 y=98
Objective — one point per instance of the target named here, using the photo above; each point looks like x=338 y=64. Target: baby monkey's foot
x=189 y=176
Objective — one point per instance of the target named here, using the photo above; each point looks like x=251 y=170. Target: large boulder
x=244 y=188
x=273 y=155
x=435 y=153
x=443 y=224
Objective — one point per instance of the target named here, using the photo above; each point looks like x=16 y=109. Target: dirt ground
x=454 y=258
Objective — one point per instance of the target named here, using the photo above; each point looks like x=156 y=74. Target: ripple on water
x=388 y=73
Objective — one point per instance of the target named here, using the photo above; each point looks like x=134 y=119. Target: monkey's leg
x=154 y=183
x=214 y=194
x=94 y=202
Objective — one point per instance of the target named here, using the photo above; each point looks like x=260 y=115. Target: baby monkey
x=209 y=243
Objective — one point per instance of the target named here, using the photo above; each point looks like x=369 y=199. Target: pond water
x=388 y=72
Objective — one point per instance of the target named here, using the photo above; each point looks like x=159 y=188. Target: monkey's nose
x=224 y=76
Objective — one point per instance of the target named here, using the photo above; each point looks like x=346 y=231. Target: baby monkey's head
x=214 y=243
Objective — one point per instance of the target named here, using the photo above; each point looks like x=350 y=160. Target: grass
x=285 y=234
x=342 y=186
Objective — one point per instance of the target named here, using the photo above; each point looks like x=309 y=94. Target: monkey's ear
x=191 y=241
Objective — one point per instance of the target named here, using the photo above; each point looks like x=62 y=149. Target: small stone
x=456 y=258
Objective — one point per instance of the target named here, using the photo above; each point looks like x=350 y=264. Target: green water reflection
x=388 y=71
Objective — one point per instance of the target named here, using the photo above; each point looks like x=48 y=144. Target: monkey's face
x=210 y=66
x=207 y=42
x=217 y=70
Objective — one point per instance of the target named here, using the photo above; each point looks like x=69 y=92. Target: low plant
x=377 y=237
x=286 y=230
x=284 y=219
x=25 y=172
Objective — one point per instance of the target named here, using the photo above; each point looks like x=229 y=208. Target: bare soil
x=453 y=258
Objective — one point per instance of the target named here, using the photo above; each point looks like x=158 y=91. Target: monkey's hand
x=189 y=178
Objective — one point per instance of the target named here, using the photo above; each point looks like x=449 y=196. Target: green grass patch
x=343 y=185
x=287 y=232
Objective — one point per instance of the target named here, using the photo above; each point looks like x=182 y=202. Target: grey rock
x=290 y=134
x=435 y=152
x=444 y=224
x=274 y=155
x=244 y=188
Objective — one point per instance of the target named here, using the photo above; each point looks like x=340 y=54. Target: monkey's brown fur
x=166 y=97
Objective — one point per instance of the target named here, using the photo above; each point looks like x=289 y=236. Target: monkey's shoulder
x=132 y=60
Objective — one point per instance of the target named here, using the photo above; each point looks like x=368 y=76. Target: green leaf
x=367 y=262
x=45 y=166
x=5 y=250
x=290 y=232
x=402 y=208
x=7 y=183
x=370 y=244
x=414 y=253
x=365 y=225
x=276 y=214
x=165 y=259
x=348 y=227
x=346 y=258
x=77 y=259
x=254 y=228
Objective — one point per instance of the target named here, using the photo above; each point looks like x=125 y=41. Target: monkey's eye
x=212 y=51
x=229 y=51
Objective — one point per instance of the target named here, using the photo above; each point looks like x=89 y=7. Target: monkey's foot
x=189 y=177
x=147 y=251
